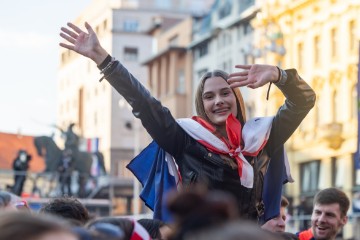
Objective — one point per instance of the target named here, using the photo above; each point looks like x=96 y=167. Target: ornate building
x=319 y=39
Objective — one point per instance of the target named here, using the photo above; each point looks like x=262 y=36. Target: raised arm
x=300 y=97
x=157 y=119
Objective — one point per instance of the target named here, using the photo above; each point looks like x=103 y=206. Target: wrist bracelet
x=282 y=77
x=105 y=62
x=107 y=67
x=280 y=74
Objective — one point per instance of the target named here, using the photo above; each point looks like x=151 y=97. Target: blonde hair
x=199 y=104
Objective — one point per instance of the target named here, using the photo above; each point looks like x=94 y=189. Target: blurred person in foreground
x=196 y=209
x=101 y=231
x=12 y=202
x=24 y=226
x=68 y=208
x=201 y=214
x=156 y=228
x=132 y=230
x=237 y=230
x=329 y=215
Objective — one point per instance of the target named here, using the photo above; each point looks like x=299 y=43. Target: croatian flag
x=158 y=175
x=92 y=145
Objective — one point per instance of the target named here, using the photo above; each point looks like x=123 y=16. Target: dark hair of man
x=25 y=226
x=67 y=207
x=333 y=195
x=284 y=202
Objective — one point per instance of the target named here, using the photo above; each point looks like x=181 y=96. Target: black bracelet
x=280 y=74
x=105 y=62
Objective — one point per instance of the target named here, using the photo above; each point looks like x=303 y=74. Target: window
x=130 y=25
x=203 y=49
x=309 y=173
x=225 y=9
x=334 y=42
x=130 y=54
x=317 y=49
x=247 y=28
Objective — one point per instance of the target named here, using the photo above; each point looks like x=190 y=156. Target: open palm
x=253 y=76
x=86 y=44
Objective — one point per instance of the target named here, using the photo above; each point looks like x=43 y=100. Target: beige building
x=320 y=39
x=171 y=68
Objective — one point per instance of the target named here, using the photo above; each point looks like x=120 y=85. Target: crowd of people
x=227 y=171
x=197 y=214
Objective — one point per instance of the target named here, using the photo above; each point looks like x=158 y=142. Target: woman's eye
x=226 y=93
x=207 y=97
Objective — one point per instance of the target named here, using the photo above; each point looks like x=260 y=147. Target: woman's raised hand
x=253 y=76
x=86 y=44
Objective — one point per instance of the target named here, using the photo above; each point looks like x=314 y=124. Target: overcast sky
x=29 y=37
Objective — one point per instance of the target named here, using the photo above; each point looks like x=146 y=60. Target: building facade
x=221 y=39
x=319 y=39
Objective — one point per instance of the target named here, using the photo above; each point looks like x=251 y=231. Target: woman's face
x=219 y=100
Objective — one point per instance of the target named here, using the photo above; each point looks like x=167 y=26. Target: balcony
x=332 y=134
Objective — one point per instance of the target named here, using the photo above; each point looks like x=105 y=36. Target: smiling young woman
x=218 y=147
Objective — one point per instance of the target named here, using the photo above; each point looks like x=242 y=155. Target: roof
x=10 y=144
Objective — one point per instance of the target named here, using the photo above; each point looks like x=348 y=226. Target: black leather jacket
x=198 y=164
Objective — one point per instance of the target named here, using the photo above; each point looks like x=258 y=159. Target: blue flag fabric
x=152 y=171
x=275 y=177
